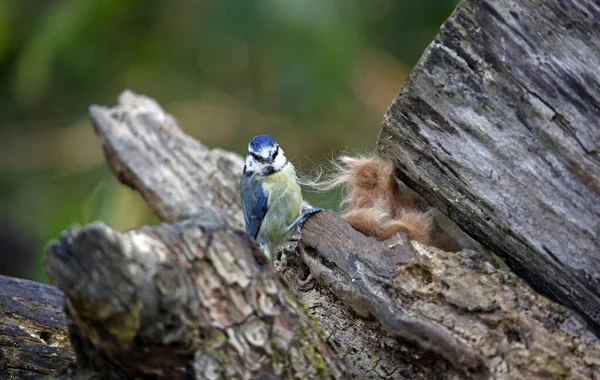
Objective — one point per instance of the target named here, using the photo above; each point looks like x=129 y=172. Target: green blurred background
x=316 y=75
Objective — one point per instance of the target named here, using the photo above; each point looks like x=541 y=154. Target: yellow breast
x=285 y=202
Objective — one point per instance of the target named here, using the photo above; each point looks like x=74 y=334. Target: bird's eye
x=256 y=157
x=274 y=155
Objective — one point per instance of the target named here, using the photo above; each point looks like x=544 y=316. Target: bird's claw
x=299 y=222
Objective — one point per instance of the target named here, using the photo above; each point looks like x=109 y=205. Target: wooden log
x=196 y=299
x=33 y=330
x=496 y=126
x=484 y=322
x=148 y=151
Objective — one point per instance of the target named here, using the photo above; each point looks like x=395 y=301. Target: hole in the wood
x=304 y=273
x=46 y=336
x=512 y=335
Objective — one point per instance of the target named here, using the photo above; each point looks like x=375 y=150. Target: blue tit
x=271 y=195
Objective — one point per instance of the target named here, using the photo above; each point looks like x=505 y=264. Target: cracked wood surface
x=485 y=321
x=522 y=69
x=497 y=126
x=179 y=301
x=456 y=308
x=33 y=330
x=148 y=152
x=137 y=123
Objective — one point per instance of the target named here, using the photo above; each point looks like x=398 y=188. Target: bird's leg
x=299 y=222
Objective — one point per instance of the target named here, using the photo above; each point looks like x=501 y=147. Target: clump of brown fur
x=379 y=205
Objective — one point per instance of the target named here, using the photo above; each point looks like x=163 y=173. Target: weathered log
x=147 y=151
x=33 y=330
x=496 y=126
x=485 y=322
x=190 y=299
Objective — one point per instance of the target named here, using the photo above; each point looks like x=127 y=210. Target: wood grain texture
x=487 y=322
x=148 y=152
x=33 y=330
x=371 y=297
x=188 y=300
x=497 y=126
x=505 y=100
x=175 y=162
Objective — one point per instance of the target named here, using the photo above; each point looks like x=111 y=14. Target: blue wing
x=254 y=204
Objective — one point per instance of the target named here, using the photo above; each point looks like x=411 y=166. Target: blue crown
x=262 y=141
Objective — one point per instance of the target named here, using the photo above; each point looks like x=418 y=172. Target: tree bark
x=482 y=321
x=33 y=331
x=496 y=126
x=190 y=299
x=195 y=297
x=147 y=151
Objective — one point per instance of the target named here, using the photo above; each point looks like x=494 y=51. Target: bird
x=271 y=196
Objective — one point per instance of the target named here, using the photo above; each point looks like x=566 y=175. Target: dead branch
x=497 y=127
x=190 y=299
x=494 y=127
x=456 y=306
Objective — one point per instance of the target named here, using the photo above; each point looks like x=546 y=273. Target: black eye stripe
x=257 y=157
x=275 y=154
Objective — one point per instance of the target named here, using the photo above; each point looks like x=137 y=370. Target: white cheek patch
x=252 y=165
x=280 y=161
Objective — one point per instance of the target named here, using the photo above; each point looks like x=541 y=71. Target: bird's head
x=264 y=156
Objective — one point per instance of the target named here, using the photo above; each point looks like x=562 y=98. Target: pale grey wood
x=148 y=151
x=181 y=301
x=498 y=127
x=371 y=297
x=527 y=68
